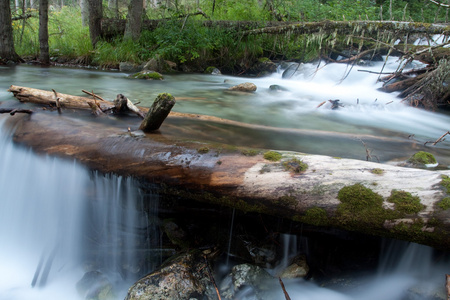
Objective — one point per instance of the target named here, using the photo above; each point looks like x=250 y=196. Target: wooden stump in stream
x=158 y=112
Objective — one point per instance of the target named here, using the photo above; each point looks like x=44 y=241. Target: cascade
x=59 y=220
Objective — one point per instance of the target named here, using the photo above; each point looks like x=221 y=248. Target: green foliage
x=377 y=171
x=118 y=50
x=405 y=202
x=445 y=182
x=272 y=155
x=67 y=37
x=444 y=203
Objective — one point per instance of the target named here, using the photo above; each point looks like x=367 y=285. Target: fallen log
x=250 y=183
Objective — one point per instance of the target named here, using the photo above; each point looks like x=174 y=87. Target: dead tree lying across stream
x=251 y=183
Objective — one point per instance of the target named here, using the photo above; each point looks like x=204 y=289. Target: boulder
x=182 y=277
x=157 y=64
x=128 y=67
x=247 y=87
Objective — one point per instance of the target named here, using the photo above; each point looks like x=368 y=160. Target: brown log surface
x=228 y=177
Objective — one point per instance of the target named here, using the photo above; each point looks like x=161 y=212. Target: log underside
x=228 y=177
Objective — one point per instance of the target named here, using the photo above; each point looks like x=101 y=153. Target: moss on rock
x=422 y=158
x=444 y=203
x=445 y=182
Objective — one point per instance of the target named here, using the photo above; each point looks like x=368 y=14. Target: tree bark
x=158 y=112
x=134 y=20
x=251 y=183
x=44 y=55
x=7 y=51
x=95 y=20
x=84 y=6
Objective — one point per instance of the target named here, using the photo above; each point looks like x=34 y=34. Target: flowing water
x=68 y=220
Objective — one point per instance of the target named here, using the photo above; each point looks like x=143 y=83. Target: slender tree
x=44 y=56
x=95 y=20
x=7 y=51
x=134 y=20
x=84 y=6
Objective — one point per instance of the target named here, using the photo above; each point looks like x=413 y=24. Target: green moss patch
x=250 y=152
x=360 y=205
x=405 y=202
x=316 y=216
x=444 y=203
x=422 y=158
x=377 y=171
x=446 y=183
x=203 y=150
x=272 y=155
x=148 y=75
x=295 y=165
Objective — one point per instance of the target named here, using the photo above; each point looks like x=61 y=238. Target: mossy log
x=306 y=188
x=158 y=112
x=114 y=27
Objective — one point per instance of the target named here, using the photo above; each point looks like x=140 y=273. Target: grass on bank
x=201 y=46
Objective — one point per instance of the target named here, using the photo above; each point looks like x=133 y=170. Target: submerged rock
x=95 y=286
x=150 y=75
x=297 y=269
x=245 y=276
x=182 y=277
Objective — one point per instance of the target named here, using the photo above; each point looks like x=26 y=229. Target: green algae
x=377 y=171
x=316 y=216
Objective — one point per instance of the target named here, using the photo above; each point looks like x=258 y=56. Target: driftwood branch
x=93 y=95
x=441 y=139
x=158 y=112
x=439 y=3
x=96 y=110
x=286 y=295
x=13 y=111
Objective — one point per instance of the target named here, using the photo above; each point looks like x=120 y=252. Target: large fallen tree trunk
x=328 y=192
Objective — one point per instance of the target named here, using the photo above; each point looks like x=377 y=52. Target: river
x=61 y=214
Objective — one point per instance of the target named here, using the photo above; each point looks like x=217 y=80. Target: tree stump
x=158 y=112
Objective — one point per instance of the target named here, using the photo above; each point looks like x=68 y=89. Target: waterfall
x=58 y=220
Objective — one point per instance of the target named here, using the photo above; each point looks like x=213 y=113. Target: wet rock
x=422 y=159
x=150 y=75
x=183 y=277
x=297 y=269
x=290 y=71
x=176 y=234
x=245 y=276
x=264 y=66
x=277 y=88
x=247 y=87
x=157 y=64
x=128 y=67
x=213 y=71
x=95 y=286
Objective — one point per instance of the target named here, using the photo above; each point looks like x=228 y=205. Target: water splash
x=58 y=220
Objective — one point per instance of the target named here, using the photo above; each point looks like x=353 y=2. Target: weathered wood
x=13 y=111
x=122 y=104
x=447 y=285
x=401 y=85
x=227 y=177
x=158 y=112
x=96 y=110
x=26 y=94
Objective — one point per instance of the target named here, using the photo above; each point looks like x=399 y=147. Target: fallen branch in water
x=441 y=139
x=286 y=295
x=211 y=277
x=13 y=111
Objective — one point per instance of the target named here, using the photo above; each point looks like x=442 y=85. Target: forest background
x=182 y=38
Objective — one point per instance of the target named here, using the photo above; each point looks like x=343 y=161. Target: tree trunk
x=134 y=20
x=158 y=112
x=7 y=51
x=95 y=20
x=44 y=55
x=84 y=6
